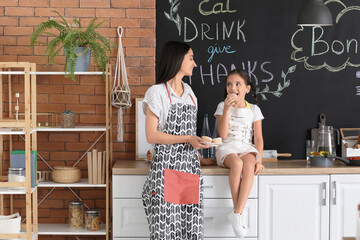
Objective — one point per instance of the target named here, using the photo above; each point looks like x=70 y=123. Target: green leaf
x=263 y=97
x=287 y=83
x=175 y=8
x=277 y=94
x=292 y=69
x=266 y=89
x=283 y=74
x=167 y=15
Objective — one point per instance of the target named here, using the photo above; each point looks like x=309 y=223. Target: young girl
x=238 y=122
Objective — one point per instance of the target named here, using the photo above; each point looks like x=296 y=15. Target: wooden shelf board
x=9 y=131
x=75 y=129
x=14 y=191
x=63 y=229
x=33 y=236
x=83 y=183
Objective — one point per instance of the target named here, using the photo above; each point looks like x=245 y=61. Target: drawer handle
x=208 y=186
x=208 y=218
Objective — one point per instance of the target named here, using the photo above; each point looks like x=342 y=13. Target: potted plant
x=75 y=41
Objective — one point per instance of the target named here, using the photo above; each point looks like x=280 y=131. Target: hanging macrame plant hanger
x=120 y=90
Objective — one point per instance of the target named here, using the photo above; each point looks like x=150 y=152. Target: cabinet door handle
x=324 y=192
x=208 y=218
x=208 y=187
x=334 y=192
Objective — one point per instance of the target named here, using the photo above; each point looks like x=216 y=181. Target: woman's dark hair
x=244 y=75
x=170 y=60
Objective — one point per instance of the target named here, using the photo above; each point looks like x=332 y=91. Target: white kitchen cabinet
x=129 y=220
x=216 y=223
x=294 y=207
x=345 y=197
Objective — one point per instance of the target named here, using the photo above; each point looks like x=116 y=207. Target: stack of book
x=96 y=167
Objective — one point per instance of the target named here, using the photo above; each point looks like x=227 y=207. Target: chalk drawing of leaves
x=278 y=93
x=173 y=16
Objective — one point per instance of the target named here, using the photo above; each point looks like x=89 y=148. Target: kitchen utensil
x=320 y=161
x=327 y=160
x=274 y=154
x=349 y=162
x=335 y=133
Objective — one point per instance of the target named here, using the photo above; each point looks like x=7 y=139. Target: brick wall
x=85 y=96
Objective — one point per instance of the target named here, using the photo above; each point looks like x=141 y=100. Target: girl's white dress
x=239 y=138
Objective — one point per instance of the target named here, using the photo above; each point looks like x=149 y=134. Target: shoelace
x=241 y=220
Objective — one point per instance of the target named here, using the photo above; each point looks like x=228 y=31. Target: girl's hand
x=230 y=100
x=195 y=142
x=259 y=168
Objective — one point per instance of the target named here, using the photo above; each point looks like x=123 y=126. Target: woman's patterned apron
x=172 y=193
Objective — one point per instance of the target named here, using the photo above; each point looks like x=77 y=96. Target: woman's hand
x=195 y=142
x=259 y=167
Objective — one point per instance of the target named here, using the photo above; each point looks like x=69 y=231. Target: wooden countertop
x=281 y=167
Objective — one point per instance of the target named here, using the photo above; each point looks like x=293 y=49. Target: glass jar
x=16 y=175
x=92 y=220
x=76 y=215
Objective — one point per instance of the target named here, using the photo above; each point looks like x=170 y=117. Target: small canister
x=16 y=175
x=92 y=220
x=76 y=215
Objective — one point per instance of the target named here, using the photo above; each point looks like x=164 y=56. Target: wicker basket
x=66 y=174
x=68 y=120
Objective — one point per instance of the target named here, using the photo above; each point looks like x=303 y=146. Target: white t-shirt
x=255 y=109
x=157 y=98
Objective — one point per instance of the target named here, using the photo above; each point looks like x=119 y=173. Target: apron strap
x=192 y=100
x=167 y=89
x=168 y=92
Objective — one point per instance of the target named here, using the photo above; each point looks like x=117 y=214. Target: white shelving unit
x=63 y=229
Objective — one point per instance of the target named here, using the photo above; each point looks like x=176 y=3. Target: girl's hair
x=244 y=75
x=170 y=60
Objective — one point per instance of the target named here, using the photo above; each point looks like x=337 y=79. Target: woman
x=172 y=193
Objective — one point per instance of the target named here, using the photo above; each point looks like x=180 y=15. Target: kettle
x=324 y=137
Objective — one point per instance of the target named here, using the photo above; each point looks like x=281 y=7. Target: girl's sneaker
x=237 y=221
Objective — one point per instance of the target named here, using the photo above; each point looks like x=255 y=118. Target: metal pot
x=321 y=161
x=327 y=161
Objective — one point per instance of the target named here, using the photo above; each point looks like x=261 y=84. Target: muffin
x=206 y=139
x=217 y=140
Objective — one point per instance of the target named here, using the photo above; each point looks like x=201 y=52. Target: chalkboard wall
x=299 y=72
